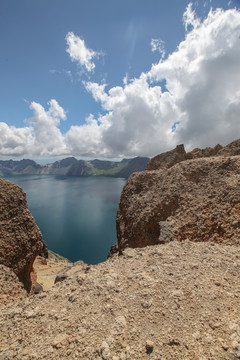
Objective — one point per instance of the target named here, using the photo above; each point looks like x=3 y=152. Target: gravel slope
x=172 y=301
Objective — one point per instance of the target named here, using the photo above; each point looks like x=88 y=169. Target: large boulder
x=196 y=199
x=20 y=238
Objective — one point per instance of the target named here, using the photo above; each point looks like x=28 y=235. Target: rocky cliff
x=20 y=238
x=177 y=199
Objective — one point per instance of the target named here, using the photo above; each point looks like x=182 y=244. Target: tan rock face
x=20 y=238
x=198 y=199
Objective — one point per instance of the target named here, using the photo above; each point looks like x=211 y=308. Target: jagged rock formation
x=196 y=199
x=20 y=238
x=170 y=158
x=174 y=301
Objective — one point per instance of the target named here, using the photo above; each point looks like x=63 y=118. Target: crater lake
x=76 y=215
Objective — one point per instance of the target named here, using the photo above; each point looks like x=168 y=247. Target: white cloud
x=78 y=52
x=158 y=45
x=126 y=79
x=87 y=139
x=203 y=77
x=14 y=141
x=41 y=138
x=98 y=91
x=199 y=104
x=189 y=18
x=202 y=104
x=47 y=138
x=133 y=126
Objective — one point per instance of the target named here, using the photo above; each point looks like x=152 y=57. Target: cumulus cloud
x=47 y=138
x=199 y=104
x=14 y=141
x=41 y=138
x=203 y=78
x=79 y=52
x=132 y=125
x=86 y=140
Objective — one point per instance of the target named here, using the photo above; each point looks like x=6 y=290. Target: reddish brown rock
x=207 y=152
x=11 y=289
x=195 y=199
x=231 y=149
x=20 y=238
x=167 y=159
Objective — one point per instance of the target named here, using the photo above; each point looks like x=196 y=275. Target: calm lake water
x=77 y=216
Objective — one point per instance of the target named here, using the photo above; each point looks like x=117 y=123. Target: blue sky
x=112 y=79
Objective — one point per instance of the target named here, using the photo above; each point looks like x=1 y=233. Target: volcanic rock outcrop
x=20 y=238
x=178 y=199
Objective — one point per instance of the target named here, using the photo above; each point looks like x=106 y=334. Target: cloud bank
x=191 y=97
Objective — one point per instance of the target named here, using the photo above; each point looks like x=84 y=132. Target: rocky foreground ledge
x=173 y=301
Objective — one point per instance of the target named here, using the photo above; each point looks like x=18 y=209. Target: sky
x=114 y=79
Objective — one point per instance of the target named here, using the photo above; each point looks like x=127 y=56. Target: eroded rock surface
x=20 y=238
x=196 y=199
x=173 y=301
x=11 y=289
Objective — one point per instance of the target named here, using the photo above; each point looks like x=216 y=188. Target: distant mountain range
x=73 y=167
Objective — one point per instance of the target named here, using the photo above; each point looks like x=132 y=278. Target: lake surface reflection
x=77 y=216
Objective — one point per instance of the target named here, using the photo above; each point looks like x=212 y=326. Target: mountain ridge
x=70 y=166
